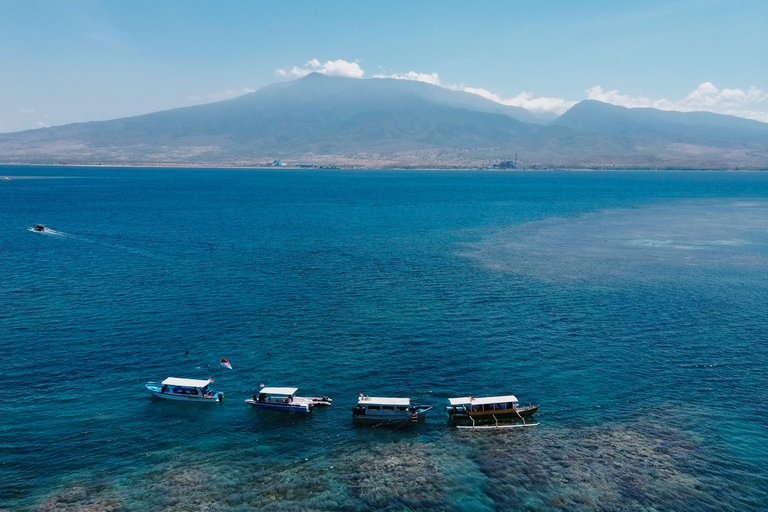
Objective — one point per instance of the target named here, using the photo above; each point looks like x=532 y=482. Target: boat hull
x=198 y=399
x=387 y=420
x=291 y=408
x=322 y=401
x=400 y=418
x=508 y=414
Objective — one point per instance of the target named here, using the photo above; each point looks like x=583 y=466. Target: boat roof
x=278 y=391
x=374 y=400
x=187 y=383
x=466 y=400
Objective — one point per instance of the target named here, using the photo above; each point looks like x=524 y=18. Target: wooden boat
x=385 y=410
x=282 y=399
x=188 y=390
x=489 y=409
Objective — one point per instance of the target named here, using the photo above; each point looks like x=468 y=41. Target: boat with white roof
x=188 y=390
x=284 y=399
x=489 y=409
x=387 y=409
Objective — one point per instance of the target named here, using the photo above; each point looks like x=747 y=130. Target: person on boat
x=262 y=396
x=289 y=400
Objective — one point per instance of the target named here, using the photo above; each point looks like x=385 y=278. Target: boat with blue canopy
x=283 y=399
x=371 y=409
x=188 y=390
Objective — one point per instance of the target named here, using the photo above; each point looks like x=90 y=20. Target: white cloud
x=430 y=78
x=706 y=97
x=525 y=100
x=748 y=103
x=331 y=68
x=615 y=98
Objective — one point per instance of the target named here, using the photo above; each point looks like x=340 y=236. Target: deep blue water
x=632 y=306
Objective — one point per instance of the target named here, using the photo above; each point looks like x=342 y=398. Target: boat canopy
x=278 y=391
x=373 y=400
x=468 y=400
x=186 y=383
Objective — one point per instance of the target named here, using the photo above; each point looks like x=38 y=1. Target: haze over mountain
x=375 y=123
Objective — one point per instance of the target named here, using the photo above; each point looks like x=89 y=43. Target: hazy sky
x=68 y=61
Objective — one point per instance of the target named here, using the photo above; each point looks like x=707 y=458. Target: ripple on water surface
x=631 y=306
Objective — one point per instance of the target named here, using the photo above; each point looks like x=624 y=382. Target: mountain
x=649 y=124
x=379 y=123
x=313 y=115
x=316 y=86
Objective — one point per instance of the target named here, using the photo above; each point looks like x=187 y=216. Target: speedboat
x=386 y=409
x=285 y=400
x=321 y=400
x=188 y=390
x=491 y=408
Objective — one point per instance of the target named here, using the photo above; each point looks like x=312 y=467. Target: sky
x=87 y=60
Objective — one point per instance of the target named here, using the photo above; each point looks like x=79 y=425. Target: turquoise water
x=632 y=306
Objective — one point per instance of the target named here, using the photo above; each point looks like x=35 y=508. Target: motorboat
x=321 y=401
x=489 y=409
x=285 y=400
x=388 y=409
x=38 y=227
x=188 y=390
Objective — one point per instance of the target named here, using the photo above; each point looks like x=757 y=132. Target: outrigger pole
x=486 y=427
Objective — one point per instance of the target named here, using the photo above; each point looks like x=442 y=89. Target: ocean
x=632 y=306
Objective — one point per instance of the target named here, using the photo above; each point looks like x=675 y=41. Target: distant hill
x=321 y=120
x=648 y=123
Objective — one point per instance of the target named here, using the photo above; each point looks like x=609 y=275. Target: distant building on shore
x=506 y=164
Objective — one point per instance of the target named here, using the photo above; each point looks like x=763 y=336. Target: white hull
x=390 y=418
x=170 y=396
x=181 y=393
x=302 y=408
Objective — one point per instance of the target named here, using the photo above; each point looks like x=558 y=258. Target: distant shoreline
x=377 y=169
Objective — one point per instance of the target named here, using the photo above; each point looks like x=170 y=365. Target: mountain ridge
x=396 y=123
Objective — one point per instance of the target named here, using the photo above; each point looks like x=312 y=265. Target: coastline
x=139 y=165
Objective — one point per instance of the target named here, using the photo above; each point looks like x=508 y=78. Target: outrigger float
x=188 y=390
x=284 y=400
x=487 y=409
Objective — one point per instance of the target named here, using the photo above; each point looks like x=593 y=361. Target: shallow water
x=630 y=305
